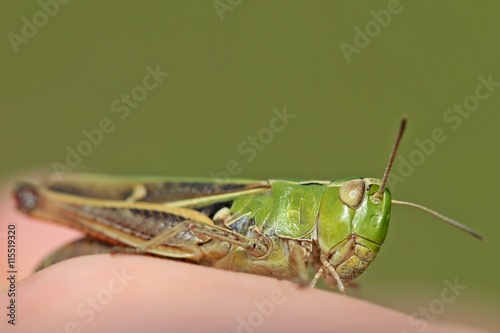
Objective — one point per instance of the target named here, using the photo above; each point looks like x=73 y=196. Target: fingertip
x=126 y=293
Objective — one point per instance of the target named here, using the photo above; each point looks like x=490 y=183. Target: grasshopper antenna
x=378 y=195
x=380 y=192
x=446 y=219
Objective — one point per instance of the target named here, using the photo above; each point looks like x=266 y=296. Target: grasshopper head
x=352 y=242
x=371 y=212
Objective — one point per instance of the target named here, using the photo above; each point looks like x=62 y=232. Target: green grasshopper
x=275 y=228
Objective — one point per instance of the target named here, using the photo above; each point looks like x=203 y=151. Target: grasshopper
x=275 y=228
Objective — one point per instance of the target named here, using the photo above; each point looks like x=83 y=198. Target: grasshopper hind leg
x=81 y=247
x=257 y=247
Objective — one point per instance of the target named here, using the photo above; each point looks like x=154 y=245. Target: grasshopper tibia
x=256 y=247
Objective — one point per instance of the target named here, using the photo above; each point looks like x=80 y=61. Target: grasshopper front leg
x=298 y=255
x=328 y=272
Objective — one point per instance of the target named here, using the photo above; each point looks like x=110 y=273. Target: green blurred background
x=231 y=66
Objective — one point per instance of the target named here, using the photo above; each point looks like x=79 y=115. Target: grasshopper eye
x=351 y=193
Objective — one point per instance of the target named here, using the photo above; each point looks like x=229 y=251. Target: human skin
x=133 y=293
